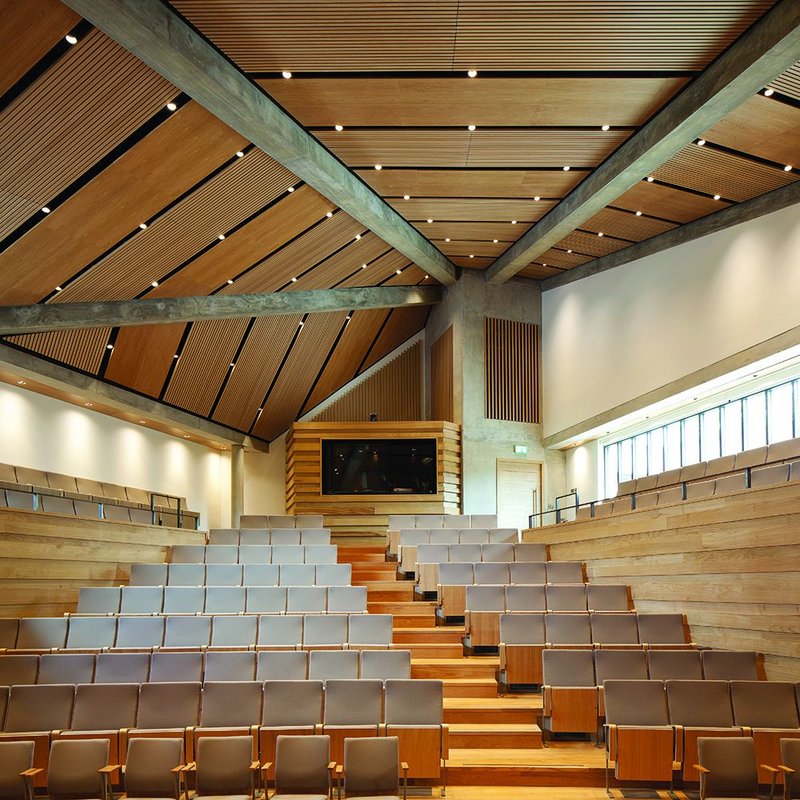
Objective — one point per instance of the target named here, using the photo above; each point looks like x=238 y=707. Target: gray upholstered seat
x=74 y=769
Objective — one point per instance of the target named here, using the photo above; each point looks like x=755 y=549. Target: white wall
x=582 y=471
x=265 y=480
x=612 y=337
x=43 y=433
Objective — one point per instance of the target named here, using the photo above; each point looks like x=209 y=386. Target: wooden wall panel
x=367 y=515
x=731 y=564
x=46 y=558
x=402 y=324
x=511 y=387
x=441 y=377
x=83 y=349
x=394 y=392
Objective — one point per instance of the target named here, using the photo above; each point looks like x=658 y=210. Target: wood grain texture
x=511 y=352
x=441 y=377
x=731 y=564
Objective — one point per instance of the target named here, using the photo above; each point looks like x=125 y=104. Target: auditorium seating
x=569 y=693
x=399 y=522
x=235 y=537
x=288 y=552
x=727 y=766
x=16 y=770
x=153 y=768
x=303 y=767
x=370 y=769
x=495 y=545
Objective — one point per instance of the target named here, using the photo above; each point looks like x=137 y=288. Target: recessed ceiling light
x=787 y=168
x=471 y=255
x=141 y=422
x=565 y=168
x=71 y=39
x=239 y=154
x=109 y=347
x=536 y=198
x=221 y=236
x=426 y=277
x=58 y=288
x=347 y=318
x=301 y=324
x=544 y=264
x=768 y=92
x=290 y=189
x=569 y=251
x=339 y=128
x=701 y=142
x=45 y=210
x=186 y=436
x=399 y=271
x=363 y=266
x=20 y=383
x=294 y=280
x=716 y=197
x=470 y=127
x=447 y=240
x=600 y=233
x=177 y=355
x=260 y=410
x=232 y=365
x=358 y=237
x=513 y=222
x=473 y=73
x=495 y=240
x=230 y=281
x=638 y=213
x=88 y=405
x=650 y=178
x=604 y=127
x=329 y=214
x=406 y=197
x=430 y=221
x=378 y=167
x=286 y=74
x=143 y=225
x=172 y=106
x=154 y=284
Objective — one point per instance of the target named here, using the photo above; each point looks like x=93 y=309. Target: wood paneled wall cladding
x=441 y=377
x=394 y=392
x=512 y=370
x=731 y=564
x=368 y=515
x=46 y=558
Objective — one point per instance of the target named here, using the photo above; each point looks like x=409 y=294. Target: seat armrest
x=332 y=766
x=266 y=766
x=785 y=770
x=702 y=770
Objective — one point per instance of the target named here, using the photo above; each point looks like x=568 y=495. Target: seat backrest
x=693 y=472
x=790 y=753
x=301 y=765
x=234 y=631
x=166 y=667
x=700 y=489
x=224 y=600
x=635 y=703
x=186 y=575
x=730 y=665
x=187 y=632
x=430 y=521
x=647 y=500
x=526 y=598
x=716 y=466
x=98 y=600
x=283 y=521
x=142 y=599
x=231 y=704
x=223 y=765
x=20 y=500
x=677 y=665
x=486 y=598
x=18 y=669
x=353 y=702
x=530 y=552
x=184 y=599
x=280 y=631
x=149 y=765
x=56 y=505
x=763 y=704
x=414 y=702
x=347 y=599
x=732 y=766
x=504 y=536
x=411 y=536
x=309 y=536
x=252 y=555
x=620 y=665
x=568 y=668
x=399 y=522
x=91 y=633
x=187 y=554
x=456 y=574
x=223 y=536
x=324 y=665
x=148 y=575
x=371 y=766
x=750 y=458
x=610 y=628
x=260 y=574
x=168 y=705
x=133 y=632
x=230 y=665
x=607 y=597
x=533 y=572
x=282 y=665
x=465 y=553
x=566 y=597
x=9 y=628
x=254 y=538
x=325 y=629
x=253 y=521
x=700 y=704
x=122 y=668
x=222 y=554
x=73 y=768
x=333 y=575
x=769 y=475
x=297 y=575
x=306 y=599
x=731 y=483
x=320 y=553
x=661 y=629
x=522 y=629
x=39 y=708
x=433 y=553
x=71 y=668
x=456 y=521
x=568 y=628
x=265 y=599
x=564 y=572
x=42 y=633
x=105 y=706
x=784 y=451
x=288 y=554
x=491 y=573
x=473 y=536
x=497 y=552
x=223 y=575
x=370 y=629
x=483 y=521
x=385 y=664
x=308 y=521
x=443 y=536
x=668 y=477
x=674 y=494
x=292 y=703
x=15 y=757
x=284 y=536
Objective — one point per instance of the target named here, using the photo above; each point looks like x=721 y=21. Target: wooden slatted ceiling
x=84 y=349
x=496 y=147
x=239 y=191
x=28 y=30
x=461 y=248
x=395 y=102
x=562 y=259
x=666 y=201
x=486 y=231
x=591 y=244
x=538 y=272
x=91 y=99
x=346 y=35
x=763 y=127
x=789 y=82
x=472 y=209
x=625 y=225
x=181 y=151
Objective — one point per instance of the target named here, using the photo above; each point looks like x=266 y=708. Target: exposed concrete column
x=237 y=483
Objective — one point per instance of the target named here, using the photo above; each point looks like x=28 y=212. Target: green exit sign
x=521 y=449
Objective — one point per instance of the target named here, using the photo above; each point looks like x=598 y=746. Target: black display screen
x=379 y=466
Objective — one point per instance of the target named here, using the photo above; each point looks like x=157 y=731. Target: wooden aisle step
x=494 y=710
x=432 y=649
x=441 y=634
x=455 y=668
x=402 y=608
x=490 y=735
x=470 y=687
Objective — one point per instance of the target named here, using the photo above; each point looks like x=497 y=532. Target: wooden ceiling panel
x=472 y=182
x=761 y=127
x=561 y=258
x=143 y=356
x=298 y=373
x=390 y=101
x=462 y=248
x=82 y=349
x=476 y=262
x=89 y=102
x=378 y=270
x=256 y=367
x=203 y=365
x=250 y=244
x=667 y=202
x=472 y=209
x=486 y=231
x=624 y=225
x=789 y=82
x=713 y=172
x=401 y=325
x=236 y=193
x=538 y=272
x=346 y=35
x=28 y=30
x=404 y=147
x=189 y=145
x=590 y=244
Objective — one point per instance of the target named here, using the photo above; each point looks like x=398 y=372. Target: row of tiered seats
x=262 y=521
x=652 y=727
x=241 y=575
x=292 y=631
x=289 y=553
x=204 y=666
x=401 y=522
x=233 y=537
x=497 y=543
x=189 y=710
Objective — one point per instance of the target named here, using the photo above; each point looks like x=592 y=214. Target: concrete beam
x=720 y=220
x=155 y=33
x=41 y=317
x=766 y=50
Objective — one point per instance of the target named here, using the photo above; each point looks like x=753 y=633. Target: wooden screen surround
x=731 y=564
x=441 y=378
x=367 y=515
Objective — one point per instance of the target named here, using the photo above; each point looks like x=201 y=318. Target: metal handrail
x=153 y=496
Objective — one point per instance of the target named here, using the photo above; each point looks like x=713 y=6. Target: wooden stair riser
x=492 y=716
x=473 y=688
x=491 y=775
x=453 y=669
x=478 y=739
x=439 y=635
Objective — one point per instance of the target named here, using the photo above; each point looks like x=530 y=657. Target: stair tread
x=500 y=727
x=478 y=703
